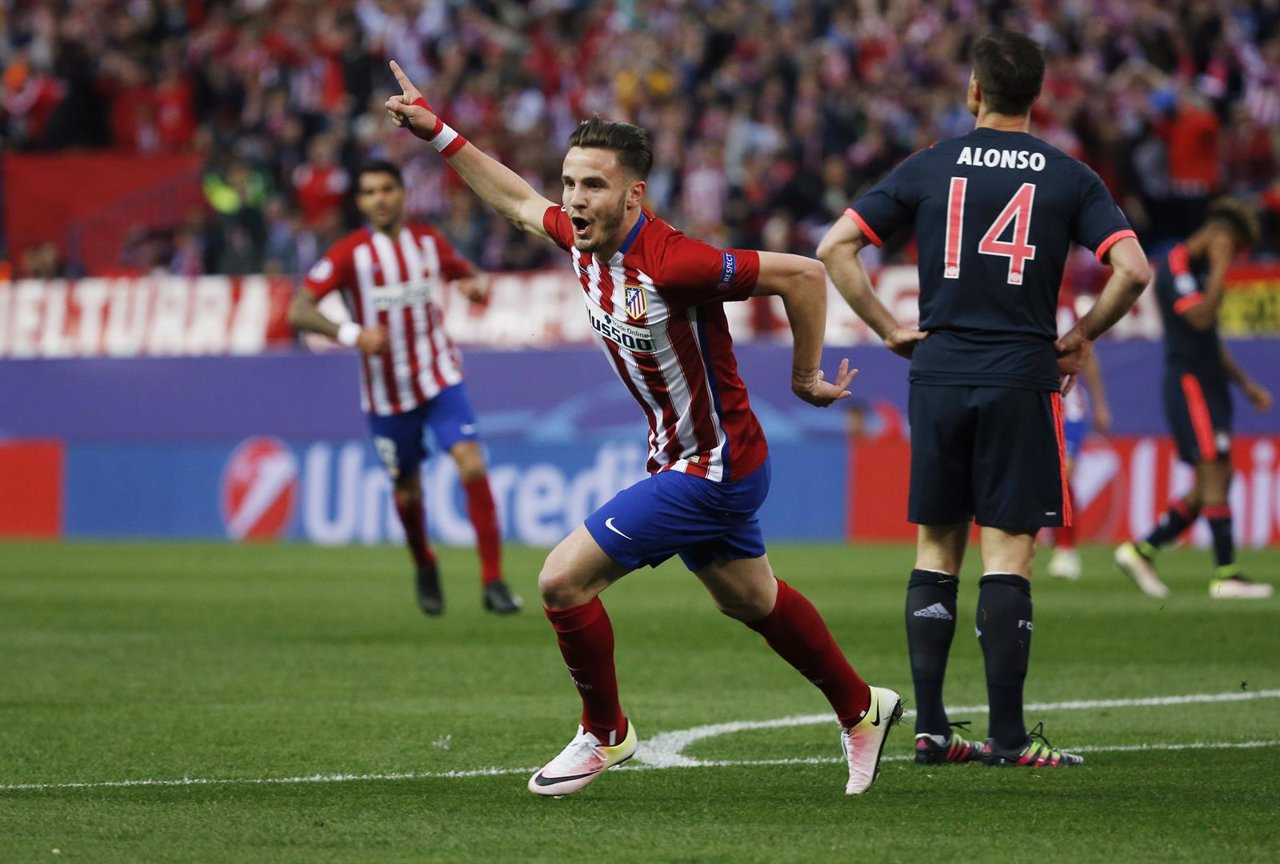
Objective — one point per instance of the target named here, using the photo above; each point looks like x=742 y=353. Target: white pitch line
x=1086 y=748
x=506 y=772
x=669 y=745
x=666 y=750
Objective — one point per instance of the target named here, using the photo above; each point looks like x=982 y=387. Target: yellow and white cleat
x=583 y=760
x=863 y=744
x=1139 y=568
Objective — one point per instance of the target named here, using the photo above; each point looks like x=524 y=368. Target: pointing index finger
x=403 y=79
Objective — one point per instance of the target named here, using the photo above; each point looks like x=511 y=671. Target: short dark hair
x=381 y=166
x=1010 y=68
x=630 y=142
x=1239 y=217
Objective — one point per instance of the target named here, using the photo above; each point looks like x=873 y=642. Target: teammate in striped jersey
x=411 y=374
x=656 y=301
x=994 y=213
x=1190 y=284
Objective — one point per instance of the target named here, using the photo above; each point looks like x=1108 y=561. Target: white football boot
x=863 y=744
x=585 y=759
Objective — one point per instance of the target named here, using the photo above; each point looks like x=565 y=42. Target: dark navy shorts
x=993 y=454
x=670 y=513
x=398 y=438
x=1199 y=411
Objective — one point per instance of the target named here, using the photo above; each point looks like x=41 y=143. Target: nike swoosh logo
x=876 y=722
x=608 y=523
x=543 y=780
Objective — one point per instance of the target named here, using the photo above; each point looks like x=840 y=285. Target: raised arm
x=839 y=251
x=799 y=281
x=497 y=185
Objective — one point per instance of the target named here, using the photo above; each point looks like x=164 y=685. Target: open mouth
x=580 y=225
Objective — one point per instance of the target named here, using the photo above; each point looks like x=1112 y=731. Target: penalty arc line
x=666 y=750
x=670 y=744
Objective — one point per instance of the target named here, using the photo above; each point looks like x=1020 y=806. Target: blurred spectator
x=42 y=261
x=755 y=109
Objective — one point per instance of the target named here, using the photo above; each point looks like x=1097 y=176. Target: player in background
x=410 y=372
x=656 y=301
x=994 y=213
x=1076 y=408
x=1198 y=370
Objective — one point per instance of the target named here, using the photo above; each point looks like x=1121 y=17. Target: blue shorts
x=398 y=438
x=670 y=513
x=1073 y=435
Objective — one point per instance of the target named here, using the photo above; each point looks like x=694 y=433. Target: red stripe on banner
x=1201 y=421
x=1188 y=302
x=31 y=484
x=1105 y=246
x=1062 y=460
x=864 y=227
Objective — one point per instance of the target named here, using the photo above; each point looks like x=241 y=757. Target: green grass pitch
x=318 y=717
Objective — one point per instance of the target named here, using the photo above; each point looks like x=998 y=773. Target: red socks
x=484 y=518
x=797 y=633
x=1065 y=537
x=586 y=643
x=413 y=516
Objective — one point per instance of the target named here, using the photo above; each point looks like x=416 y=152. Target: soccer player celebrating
x=656 y=301
x=994 y=213
x=1197 y=400
x=411 y=374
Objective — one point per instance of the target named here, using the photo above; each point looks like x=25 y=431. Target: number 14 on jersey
x=1018 y=250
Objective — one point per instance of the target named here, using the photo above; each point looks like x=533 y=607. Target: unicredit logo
x=259 y=490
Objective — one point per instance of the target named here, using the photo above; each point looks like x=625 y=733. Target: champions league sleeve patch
x=728 y=270
x=322 y=270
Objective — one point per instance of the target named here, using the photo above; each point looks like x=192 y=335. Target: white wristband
x=444 y=137
x=349 y=334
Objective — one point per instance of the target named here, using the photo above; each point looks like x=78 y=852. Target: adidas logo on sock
x=937 y=610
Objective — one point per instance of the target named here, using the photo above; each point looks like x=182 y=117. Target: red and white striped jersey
x=657 y=307
x=391 y=282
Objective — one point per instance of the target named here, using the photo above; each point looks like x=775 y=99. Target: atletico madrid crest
x=634 y=296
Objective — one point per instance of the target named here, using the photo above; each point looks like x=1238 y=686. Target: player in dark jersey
x=655 y=298
x=1197 y=400
x=994 y=213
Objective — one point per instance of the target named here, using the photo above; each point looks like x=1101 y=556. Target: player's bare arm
x=305 y=315
x=1130 y=274
x=497 y=185
x=840 y=253
x=800 y=282
x=1258 y=395
x=1092 y=374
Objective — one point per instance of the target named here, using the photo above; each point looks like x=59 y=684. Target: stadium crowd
x=767 y=117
